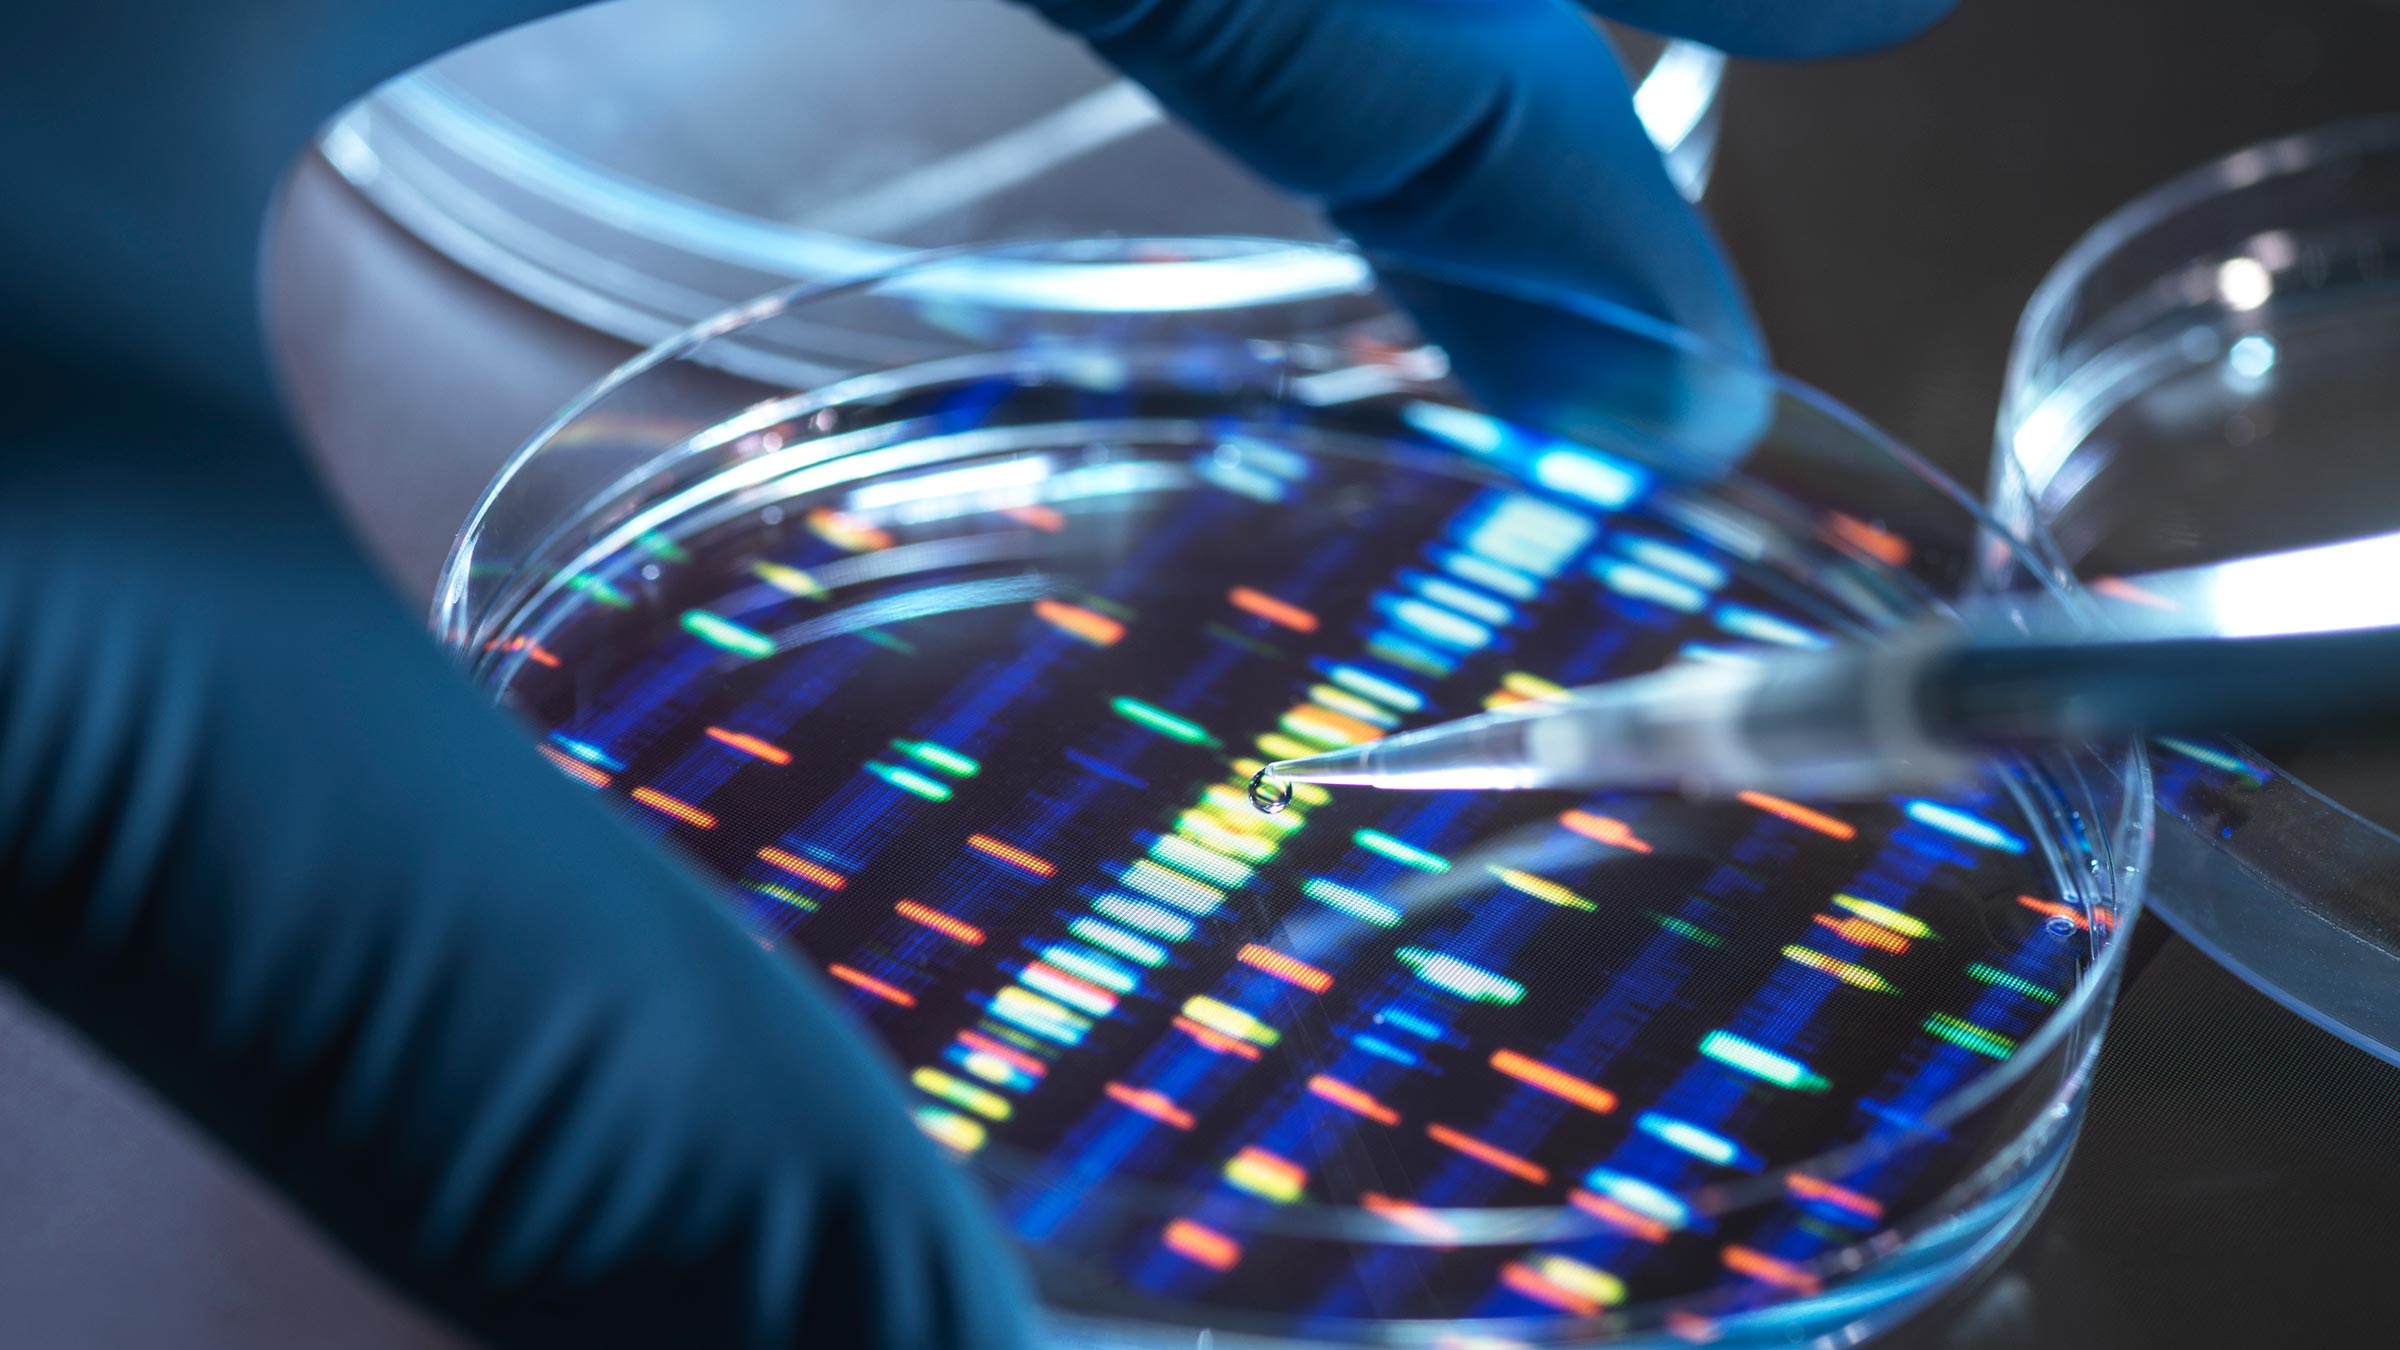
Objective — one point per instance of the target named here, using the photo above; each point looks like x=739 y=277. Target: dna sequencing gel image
x=976 y=742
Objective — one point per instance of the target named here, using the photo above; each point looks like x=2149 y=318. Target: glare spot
x=2244 y=283
x=2251 y=357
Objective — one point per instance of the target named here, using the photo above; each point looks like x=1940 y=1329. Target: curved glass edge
x=1331 y=270
x=2118 y=844
x=810 y=256
x=1274 y=270
x=2264 y=898
x=1937 y=1254
x=2037 y=350
x=479 y=187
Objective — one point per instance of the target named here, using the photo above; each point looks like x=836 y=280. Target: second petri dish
x=955 y=673
x=2204 y=378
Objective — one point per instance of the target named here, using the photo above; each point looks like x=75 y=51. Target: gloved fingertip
x=1094 y=20
x=1797 y=30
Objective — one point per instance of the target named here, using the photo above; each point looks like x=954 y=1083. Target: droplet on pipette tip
x=1269 y=793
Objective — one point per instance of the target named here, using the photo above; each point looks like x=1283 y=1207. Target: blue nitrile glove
x=262 y=843
x=257 y=839
x=1494 y=139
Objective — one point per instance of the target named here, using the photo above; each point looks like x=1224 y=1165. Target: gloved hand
x=1495 y=141
x=1496 y=136
x=260 y=843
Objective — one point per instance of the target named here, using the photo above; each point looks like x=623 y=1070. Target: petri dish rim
x=464 y=619
x=2047 y=310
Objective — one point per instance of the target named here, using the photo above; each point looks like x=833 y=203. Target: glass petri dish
x=2206 y=377
x=640 y=166
x=953 y=673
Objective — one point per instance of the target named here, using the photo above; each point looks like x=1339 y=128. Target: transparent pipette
x=1827 y=725
x=1914 y=713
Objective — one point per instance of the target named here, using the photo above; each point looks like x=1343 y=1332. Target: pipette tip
x=1334 y=766
x=1270 y=791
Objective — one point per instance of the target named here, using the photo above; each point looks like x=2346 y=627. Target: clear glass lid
x=639 y=166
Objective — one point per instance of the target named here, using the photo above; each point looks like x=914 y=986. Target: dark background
x=2238 y=1180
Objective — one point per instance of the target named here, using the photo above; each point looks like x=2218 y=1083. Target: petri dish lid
x=638 y=167
x=2203 y=379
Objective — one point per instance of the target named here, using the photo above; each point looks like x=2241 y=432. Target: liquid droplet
x=1269 y=793
x=2059 y=924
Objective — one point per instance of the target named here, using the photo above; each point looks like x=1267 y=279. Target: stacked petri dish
x=2205 y=379
x=953 y=672
x=640 y=166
